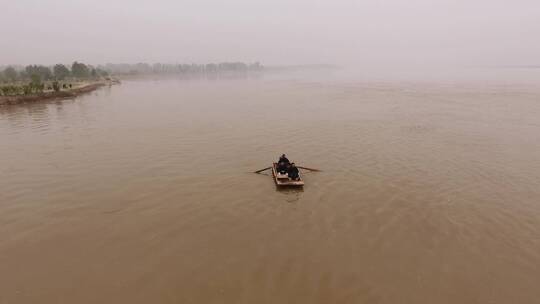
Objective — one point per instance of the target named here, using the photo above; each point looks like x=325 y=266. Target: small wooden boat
x=283 y=180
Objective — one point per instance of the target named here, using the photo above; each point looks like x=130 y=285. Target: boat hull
x=280 y=182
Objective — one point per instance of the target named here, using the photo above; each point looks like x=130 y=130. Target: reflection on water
x=291 y=195
x=140 y=193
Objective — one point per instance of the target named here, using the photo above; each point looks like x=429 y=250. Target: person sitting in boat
x=293 y=172
x=282 y=167
x=283 y=164
x=283 y=159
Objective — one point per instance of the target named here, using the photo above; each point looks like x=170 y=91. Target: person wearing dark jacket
x=293 y=172
x=282 y=167
x=283 y=159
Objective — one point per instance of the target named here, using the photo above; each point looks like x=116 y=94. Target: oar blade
x=259 y=171
x=310 y=169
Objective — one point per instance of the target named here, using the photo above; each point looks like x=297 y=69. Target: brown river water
x=142 y=193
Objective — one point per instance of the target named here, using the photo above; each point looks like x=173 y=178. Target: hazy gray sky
x=368 y=32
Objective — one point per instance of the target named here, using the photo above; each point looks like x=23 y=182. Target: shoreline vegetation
x=73 y=91
x=38 y=82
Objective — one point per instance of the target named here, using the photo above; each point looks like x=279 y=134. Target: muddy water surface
x=141 y=193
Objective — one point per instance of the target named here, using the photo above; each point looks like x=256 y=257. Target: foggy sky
x=369 y=32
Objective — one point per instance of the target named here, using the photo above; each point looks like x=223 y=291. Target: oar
x=259 y=171
x=310 y=169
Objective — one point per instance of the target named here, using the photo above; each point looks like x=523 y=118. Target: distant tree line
x=37 y=78
x=162 y=68
x=16 y=80
x=57 y=72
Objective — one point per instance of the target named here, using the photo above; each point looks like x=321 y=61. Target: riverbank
x=70 y=93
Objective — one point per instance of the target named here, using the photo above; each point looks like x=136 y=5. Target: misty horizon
x=419 y=33
x=271 y=151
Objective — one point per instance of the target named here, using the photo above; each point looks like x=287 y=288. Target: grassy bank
x=76 y=90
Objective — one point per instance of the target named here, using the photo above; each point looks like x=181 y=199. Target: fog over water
x=427 y=134
x=380 y=35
